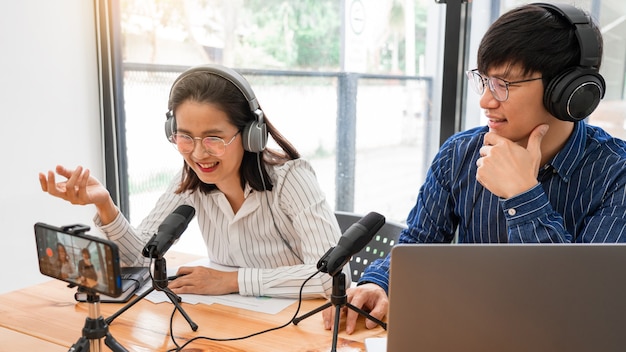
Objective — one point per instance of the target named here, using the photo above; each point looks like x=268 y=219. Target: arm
x=432 y=219
x=132 y=240
x=305 y=220
x=581 y=198
x=80 y=188
x=594 y=214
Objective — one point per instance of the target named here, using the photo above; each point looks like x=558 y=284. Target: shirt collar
x=247 y=190
x=566 y=160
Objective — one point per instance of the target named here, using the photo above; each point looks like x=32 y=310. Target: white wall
x=50 y=106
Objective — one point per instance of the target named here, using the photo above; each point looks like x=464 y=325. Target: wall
x=50 y=106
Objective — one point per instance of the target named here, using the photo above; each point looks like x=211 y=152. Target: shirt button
x=512 y=212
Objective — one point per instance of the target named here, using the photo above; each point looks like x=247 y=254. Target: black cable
x=267 y=199
x=179 y=348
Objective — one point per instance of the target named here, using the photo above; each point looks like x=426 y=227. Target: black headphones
x=575 y=93
x=254 y=134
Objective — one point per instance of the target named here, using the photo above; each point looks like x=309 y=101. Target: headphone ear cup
x=254 y=137
x=170 y=125
x=574 y=94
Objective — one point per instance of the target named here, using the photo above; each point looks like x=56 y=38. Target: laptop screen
x=507 y=297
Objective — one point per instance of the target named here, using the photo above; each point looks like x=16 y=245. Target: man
x=537 y=172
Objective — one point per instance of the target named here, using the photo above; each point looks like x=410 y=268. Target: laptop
x=507 y=297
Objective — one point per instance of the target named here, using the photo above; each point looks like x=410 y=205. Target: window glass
x=321 y=69
x=611 y=16
x=355 y=85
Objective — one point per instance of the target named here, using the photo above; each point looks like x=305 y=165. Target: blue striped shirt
x=580 y=197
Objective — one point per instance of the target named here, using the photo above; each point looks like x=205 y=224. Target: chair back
x=378 y=247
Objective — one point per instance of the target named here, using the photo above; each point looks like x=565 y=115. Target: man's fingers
x=535 y=138
x=378 y=312
x=491 y=138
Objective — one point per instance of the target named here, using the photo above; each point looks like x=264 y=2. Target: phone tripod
x=95 y=329
x=159 y=283
x=339 y=299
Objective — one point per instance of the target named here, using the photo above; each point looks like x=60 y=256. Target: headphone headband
x=587 y=40
x=228 y=74
x=254 y=135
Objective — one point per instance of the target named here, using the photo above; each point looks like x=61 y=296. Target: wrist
x=234 y=282
x=107 y=211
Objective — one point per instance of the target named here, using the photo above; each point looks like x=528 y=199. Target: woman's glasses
x=498 y=87
x=212 y=145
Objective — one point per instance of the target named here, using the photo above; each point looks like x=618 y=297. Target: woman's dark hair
x=535 y=39
x=60 y=245
x=205 y=87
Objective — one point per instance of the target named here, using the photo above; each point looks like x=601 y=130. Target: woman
x=65 y=266
x=86 y=272
x=259 y=210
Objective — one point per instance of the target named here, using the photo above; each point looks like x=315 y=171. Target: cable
x=179 y=348
x=267 y=199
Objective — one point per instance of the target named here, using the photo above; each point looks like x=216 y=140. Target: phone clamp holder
x=75 y=229
x=95 y=329
x=339 y=299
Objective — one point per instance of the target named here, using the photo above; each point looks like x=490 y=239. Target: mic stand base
x=339 y=299
x=94 y=330
x=159 y=283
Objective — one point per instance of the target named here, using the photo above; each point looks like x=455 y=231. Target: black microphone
x=169 y=231
x=352 y=241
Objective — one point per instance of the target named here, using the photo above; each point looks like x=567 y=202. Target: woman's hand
x=204 y=281
x=80 y=188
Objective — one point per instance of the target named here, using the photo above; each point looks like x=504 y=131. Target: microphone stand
x=95 y=329
x=159 y=283
x=339 y=299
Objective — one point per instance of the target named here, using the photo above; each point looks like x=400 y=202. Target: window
x=356 y=85
x=291 y=54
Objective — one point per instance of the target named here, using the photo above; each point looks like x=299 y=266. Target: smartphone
x=69 y=254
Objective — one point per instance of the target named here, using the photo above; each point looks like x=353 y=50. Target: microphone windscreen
x=186 y=211
x=372 y=221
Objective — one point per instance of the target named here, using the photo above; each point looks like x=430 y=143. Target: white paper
x=376 y=344
x=258 y=304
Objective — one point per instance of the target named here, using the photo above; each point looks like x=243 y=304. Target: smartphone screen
x=89 y=262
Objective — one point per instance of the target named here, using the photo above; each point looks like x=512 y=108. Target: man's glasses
x=212 y=145
x=498 y=87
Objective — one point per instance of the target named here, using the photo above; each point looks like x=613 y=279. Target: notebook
x=507 y=297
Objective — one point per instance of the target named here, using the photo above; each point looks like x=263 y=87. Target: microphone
x=353 y=240
x=169 y=231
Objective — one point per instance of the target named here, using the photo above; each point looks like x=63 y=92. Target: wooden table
x=47 y=317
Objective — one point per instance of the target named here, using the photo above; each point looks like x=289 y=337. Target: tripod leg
x=367 y=315
x=130 y=304
x=336 y=328
x=318 y=309
x=82 y=345
x=175 y=300
x=112 y=343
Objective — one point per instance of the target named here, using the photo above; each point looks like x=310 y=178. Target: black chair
x=378 y=247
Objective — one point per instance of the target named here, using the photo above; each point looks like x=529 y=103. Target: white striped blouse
x=249 y=239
